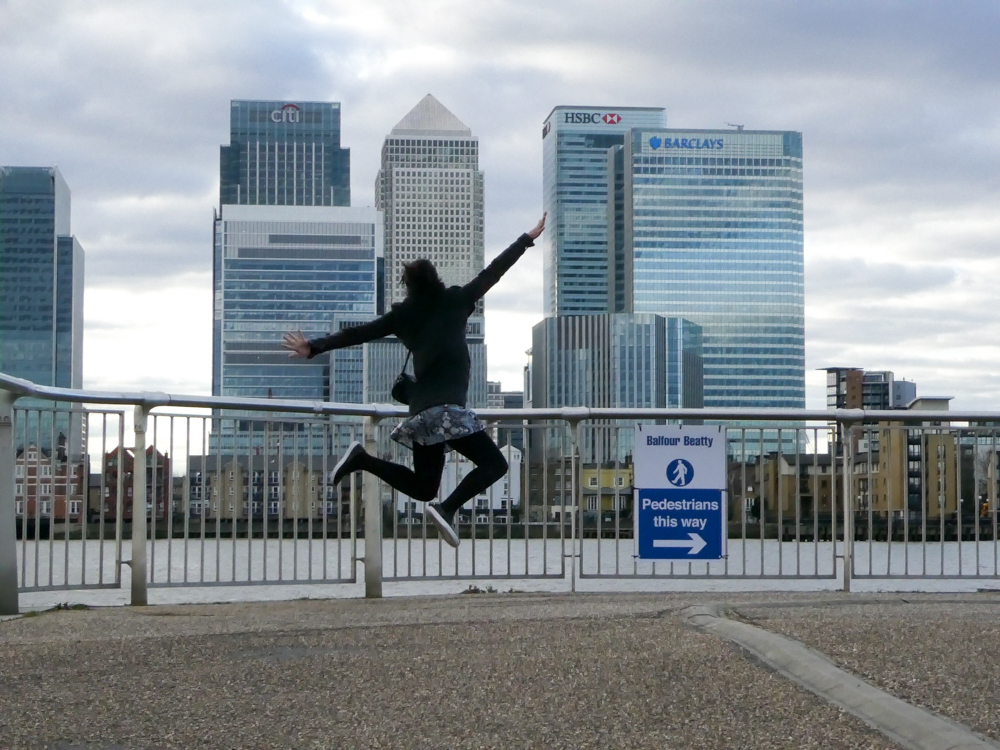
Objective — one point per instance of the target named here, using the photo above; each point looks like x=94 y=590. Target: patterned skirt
x=437 y=424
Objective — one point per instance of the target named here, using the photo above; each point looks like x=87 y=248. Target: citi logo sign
x=288 y=113
x=591 y=118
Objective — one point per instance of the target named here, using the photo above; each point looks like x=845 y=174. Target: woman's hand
x=296 y=344
x=539 y=228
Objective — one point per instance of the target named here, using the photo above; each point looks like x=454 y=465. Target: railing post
x=847 y=429
x=373 y=521
x=8 y=517
x=138 y=562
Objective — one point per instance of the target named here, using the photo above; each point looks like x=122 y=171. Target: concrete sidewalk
x=469 y=671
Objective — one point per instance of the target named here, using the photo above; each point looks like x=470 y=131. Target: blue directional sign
x=680 y=524
x=680 y=501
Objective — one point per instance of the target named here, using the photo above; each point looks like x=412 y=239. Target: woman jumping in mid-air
x=431 y=324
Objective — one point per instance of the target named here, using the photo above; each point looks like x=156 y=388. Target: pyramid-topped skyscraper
x=431 y=192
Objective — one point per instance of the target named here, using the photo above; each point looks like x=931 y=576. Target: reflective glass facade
x=41 y=287
x=616 y=361
x=283 y=268
x=284 y=154
x=713 y=233
x=41 y=279
x=575 y=142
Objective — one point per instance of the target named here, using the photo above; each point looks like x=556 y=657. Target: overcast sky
x=898 y=103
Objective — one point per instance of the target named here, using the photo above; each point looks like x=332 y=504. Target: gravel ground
x=940 y=653
x=469 y=672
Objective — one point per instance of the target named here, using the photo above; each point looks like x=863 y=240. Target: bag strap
x=406 y=361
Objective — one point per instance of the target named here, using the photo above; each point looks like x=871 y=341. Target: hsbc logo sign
x=288 y=113
x=592 y=118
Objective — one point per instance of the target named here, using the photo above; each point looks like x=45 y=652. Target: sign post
x=680 y=502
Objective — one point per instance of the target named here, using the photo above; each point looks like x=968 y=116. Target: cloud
x=896 y=103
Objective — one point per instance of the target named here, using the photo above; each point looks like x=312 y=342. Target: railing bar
x=781 y=515
x=296 y=500
x=326 y=500
x=247 y=477
x=206 y=497
x=815 y=502
x=510 y=504
x=220 y=500
x=991 y=488
x=151 y=494
x=959 y=505
x=763 y=498
x=525 y=480
x=798 y=500
x=186 y=491
x=281 y=501
x=119 y=497
x=102 y=495
x=313 y=500
x=976 y=505
x=924 y=503
x=53 y=455
x=168 y=506
x=870 y=494
x=265 y=496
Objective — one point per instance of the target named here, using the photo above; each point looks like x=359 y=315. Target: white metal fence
x=238 y=492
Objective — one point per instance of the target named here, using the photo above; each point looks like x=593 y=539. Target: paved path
x=472 y=671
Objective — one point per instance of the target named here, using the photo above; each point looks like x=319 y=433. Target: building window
x=272 y=508
x=18 y=489
x=46 y=489
x=46 y=507
x=619 y=481
x=19 y=507
x=74 y=507
x=46 y=471
x=591 y=503
x=19 y=470
x=592 y=482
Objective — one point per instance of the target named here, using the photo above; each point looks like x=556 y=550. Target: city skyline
x=901 y=235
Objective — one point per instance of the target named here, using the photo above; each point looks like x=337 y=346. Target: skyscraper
x=431 y=192
x=284 y=154
x=41 y=293
x=41 y=284
x=712 y=225
x=286 y=268
x=575 y=193
x=616 y=361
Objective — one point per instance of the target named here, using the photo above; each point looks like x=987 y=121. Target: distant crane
x=734 y=125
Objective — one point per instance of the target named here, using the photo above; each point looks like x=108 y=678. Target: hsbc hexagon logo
x=612 y=118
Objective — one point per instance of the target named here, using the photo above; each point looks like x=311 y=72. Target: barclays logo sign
x=689 y=143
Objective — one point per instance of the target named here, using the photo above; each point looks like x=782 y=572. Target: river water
x=236 y=570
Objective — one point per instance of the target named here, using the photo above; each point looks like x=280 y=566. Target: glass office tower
x=712 y=232
x=575 y=142
x=287 y=268
x=284 y=154
x=622 y=361
x=41 y=289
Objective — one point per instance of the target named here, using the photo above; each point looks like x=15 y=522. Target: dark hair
x=421 y=278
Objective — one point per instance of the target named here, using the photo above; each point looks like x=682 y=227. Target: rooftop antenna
x=734 y=125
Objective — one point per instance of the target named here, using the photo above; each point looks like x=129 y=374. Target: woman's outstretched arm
x=501 y=264
x=299 y=346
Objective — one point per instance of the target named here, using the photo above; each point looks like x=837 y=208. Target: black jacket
x=434 y=330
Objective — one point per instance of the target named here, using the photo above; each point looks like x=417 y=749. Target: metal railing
x=239 y=493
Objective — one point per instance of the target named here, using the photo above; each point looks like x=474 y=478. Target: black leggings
x=421 y=483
